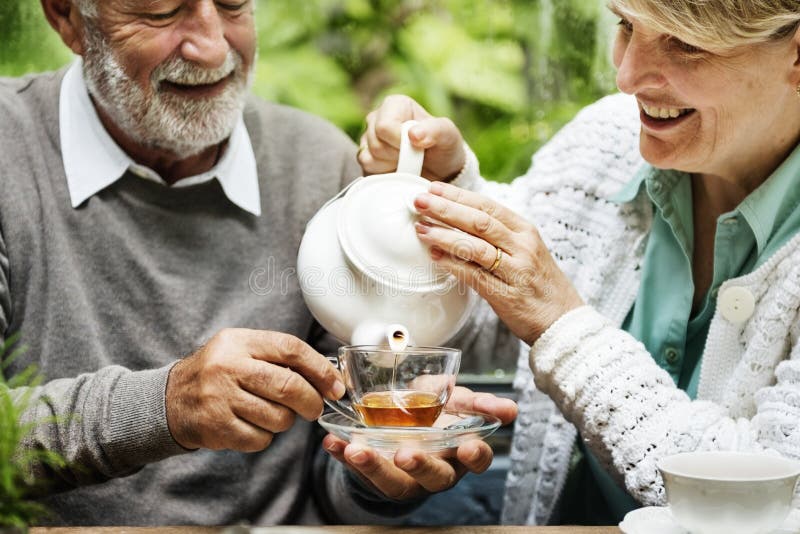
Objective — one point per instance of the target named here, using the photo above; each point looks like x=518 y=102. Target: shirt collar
x=93 y=160
x=631 y=189
x=774 y=200
x=764 y=209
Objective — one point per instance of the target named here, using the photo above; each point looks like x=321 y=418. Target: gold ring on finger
x=496 y=260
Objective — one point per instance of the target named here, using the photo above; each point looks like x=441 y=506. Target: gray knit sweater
x=107 y=296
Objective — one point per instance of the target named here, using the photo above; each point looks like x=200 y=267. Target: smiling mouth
x=664 y=114
x=196 y=90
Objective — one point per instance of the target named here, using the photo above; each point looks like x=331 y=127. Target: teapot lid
x=376 y=232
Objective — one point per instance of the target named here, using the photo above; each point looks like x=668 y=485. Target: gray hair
x=87 y=8
x=716 y=24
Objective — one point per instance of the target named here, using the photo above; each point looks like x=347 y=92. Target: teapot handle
x=409 y=161
x=411 y=157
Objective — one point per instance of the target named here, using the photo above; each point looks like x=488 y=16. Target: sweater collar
x=93 y=160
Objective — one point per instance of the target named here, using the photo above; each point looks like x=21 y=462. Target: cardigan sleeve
x=631 y=414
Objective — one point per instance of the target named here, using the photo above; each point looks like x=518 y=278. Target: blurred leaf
x=358 y=9
x=484 y=19
x=486 y=72
x=28 y=43
x=305 y=78
x=18 y=394
x=416 y=81
x=282 y=22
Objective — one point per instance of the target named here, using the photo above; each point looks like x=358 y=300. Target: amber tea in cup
x=399 y=408
x=396 y=388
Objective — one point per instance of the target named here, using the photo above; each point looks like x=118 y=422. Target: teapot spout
x=395 y=336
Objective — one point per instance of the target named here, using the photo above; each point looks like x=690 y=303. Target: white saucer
x=387 y=439
x=659 y=520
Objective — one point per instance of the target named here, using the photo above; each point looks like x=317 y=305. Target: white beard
x=159 y=119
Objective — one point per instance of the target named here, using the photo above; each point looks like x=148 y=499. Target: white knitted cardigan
x=591 y=374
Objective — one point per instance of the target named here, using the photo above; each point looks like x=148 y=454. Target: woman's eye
x=625 y=26
x=686 y=48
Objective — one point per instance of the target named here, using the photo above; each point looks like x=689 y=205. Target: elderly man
x=139 y=191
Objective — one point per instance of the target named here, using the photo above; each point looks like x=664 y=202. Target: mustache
x=180 y=71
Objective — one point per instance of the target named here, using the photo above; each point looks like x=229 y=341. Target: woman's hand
x=380 y=144
x=499 y=254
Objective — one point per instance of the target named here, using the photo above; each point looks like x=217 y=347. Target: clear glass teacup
x=386 y=387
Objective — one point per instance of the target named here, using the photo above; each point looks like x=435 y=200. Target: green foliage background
x=508 y=72
x=16 y=464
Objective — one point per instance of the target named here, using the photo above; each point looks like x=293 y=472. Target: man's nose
x=641 y=65
x=204 y=42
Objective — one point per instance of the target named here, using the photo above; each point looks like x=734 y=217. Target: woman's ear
x=796 y=44
x=796 y=41
x=64 y=17
x=794 y=69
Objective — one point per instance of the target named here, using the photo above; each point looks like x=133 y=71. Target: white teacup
x=729 y=492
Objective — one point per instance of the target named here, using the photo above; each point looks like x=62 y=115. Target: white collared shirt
x=93 y=160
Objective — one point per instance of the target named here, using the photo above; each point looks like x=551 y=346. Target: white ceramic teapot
x=365 y=275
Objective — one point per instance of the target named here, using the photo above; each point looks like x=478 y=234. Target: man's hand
x=413 y=473
x=380 y=145
x=243 y=387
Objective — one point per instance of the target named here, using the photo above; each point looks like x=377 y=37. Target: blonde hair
x=716 y=24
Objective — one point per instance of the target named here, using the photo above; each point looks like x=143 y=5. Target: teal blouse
x=661 y=316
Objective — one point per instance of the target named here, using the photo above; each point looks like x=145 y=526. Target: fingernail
x=436 y=254
x=338 y=389
x=408 y=465
x=333 y=448
x=436 y=188
x=422 y=227
x=359 y=458
x=422 y=201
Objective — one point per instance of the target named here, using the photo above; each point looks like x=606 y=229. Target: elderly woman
x=658 y=288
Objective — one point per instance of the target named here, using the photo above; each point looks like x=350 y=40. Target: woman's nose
x=640 y=64
x=205 y=43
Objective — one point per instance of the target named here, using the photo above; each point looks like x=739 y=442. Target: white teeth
x=663 y=113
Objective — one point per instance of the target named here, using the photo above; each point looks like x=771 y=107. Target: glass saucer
x=463 y=426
